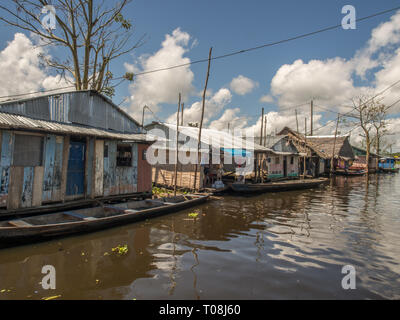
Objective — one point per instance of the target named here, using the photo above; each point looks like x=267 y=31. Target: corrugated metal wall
x=82 y=107
x=24 y=187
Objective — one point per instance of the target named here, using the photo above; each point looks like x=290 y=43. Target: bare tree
x=91 y=34
x=365 y=109
x=379 y=124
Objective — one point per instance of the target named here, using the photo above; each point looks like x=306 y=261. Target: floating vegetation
x=120 y=250
x=193 y=215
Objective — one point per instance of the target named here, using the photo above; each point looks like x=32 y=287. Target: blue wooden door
x=76 y=169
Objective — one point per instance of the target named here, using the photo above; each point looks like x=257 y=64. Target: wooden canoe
x=350 y=173
x=277 y=186
x=45 y=227
x=388 y=170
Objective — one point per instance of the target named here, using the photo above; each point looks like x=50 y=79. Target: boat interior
x=91 y=214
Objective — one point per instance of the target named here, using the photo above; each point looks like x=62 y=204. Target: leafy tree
x=91 y=33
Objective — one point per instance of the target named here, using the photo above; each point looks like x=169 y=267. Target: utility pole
x=202 y=118
x=177 y=145
x=265 y=131
x=297 y=122
x=334 y=145
x=143 y=116
x=312 y=116
x=305 y=144
x=262 y=126
x=258 y=174
x=183 y=107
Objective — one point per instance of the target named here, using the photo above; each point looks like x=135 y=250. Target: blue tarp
x=238 y=152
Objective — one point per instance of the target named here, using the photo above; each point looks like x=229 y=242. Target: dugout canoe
x=53 y=225
x=289 y=185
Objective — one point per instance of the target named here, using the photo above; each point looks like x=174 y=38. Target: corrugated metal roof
x=219 y=139
x=12 y=121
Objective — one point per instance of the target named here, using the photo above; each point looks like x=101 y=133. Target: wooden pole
x=305 y=143
x=202 y=118
x=297 y=121
x=262 y=126
x=258 y=174
x=143 y=116
x=334 y=145
x=265 y=131
x=177 y=145
x=312 y=116
x=183 y=107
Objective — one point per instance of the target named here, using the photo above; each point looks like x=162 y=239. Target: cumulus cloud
x=162 y=87
x=276 y=121
x=267 y=99
x=331 y=81
x=213 y=107
x=22 y=70
x=231 y=117
x=242 y=85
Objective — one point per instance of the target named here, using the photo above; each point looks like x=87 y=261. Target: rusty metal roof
x=18 y=122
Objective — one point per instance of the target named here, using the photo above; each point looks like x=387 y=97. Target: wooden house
x=318 y=151
x=69 y=147
x=218 y=148
x=284 y=163
x=360 y=160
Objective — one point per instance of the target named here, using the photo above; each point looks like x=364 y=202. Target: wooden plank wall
x=5 y=164
x=163 y=174
x=144 y=170
x=24 y=187
x=110 y=164
x=98 y=168
x=53 y=162
x=119 y=180
x=89 y=166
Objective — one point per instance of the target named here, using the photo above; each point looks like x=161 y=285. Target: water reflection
x=285 y=245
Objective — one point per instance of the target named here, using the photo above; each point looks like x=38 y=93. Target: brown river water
x=289 y=245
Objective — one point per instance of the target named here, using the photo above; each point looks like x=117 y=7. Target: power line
x=43 y=91
x=270 y=44
x=364 y=103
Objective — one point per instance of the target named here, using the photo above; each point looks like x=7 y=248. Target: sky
x=331 y=67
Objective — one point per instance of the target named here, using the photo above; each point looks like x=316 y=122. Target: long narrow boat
x=350 y=173
x=45 y=227
x=389 y=170
x=277 y=186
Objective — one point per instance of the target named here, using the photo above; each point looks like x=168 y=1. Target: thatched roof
x=322 y=146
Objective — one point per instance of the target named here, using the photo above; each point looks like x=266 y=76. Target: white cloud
x=276 y=121
x=242 y=85
x=331 y=82
x=384 y=36
x=230 y=116
x=22 y=71
x=162 y=87
x=213 y=107
x=267 y=98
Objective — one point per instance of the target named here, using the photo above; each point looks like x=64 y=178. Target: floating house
x=319 y=150
x=218 y=148
x=70 y=146
x=387 y=164
x=284 y=163
x=360 y=160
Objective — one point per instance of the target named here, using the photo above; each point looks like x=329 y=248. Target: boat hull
x=277 y=187
x=388 y=170
x=22 y=235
